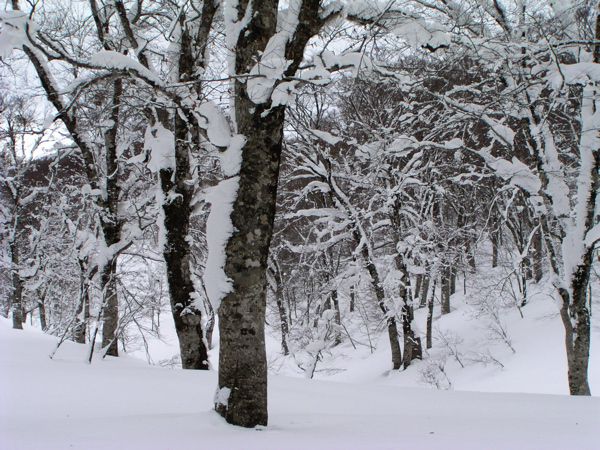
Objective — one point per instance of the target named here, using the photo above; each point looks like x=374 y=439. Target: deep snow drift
x=123 y=403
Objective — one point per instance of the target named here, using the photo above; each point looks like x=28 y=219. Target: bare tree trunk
x=42 y=310
x=425 y=290
x=242 y=357
x=111 y=224
x=446 y=290
x=337 y=317
x=279 y=299
x=16 y=298
x=453 y=275
x=418 y=284
x=380 y=296
x=83 y=307
x=110 y=313
x=412 y=344
x=178 y=194
x=430 y=300
x=284 y=326
x=495 y=236
x=537 y=255
x=242 y=394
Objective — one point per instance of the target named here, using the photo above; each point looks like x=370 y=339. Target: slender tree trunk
x=82 y=312
x=470 y=250
x=16 y=298
x=495 y=235
x=390 y=319
x=453 y=275
x=352 y=298
x=424 y=291
x=279 y=299
x=418 y=284
x=110 y=314
x=412 y=344
x=210 y=324
x=537 y=255
x=446 y=289
x=42 y=312
x=430 y=300
x=337 y=317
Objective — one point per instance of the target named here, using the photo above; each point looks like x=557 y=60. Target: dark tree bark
x=242 y=395
x=430 y=300
x=242 y=358
x=412 y=344
x=390 y=318
x=446 y=289
x=418 y=284
x=83 y=307
x=16 y=296
x=279 y=300
x=111 y=224
x=178 y=254
x=453 y=275
x=110 y=313
x=495 y=237
x=424 y=290
x=537 y=256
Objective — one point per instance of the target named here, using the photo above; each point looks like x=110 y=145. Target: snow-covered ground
x=125 y=404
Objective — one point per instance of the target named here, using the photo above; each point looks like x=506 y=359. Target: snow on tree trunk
x=242 y=356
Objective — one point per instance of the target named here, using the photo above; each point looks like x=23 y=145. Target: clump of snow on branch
x=12 y=31
x=215 y=123
x=272 y=65
x=159 y=143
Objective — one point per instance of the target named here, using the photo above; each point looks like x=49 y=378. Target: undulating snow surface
x=125 y=404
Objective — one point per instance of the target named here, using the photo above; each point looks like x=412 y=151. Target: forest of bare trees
x=317 y=170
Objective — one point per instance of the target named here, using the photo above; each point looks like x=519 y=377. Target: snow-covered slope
x=125 y=404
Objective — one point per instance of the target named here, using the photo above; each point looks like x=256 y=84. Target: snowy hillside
x=466 y=337
x=123 y=403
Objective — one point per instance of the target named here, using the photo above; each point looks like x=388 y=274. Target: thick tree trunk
x=178 y=192
x=242 y=395
x=177 y=253
x=575 y=315
x=111 y=224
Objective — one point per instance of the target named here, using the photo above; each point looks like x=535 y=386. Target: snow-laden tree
x=91 y=110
